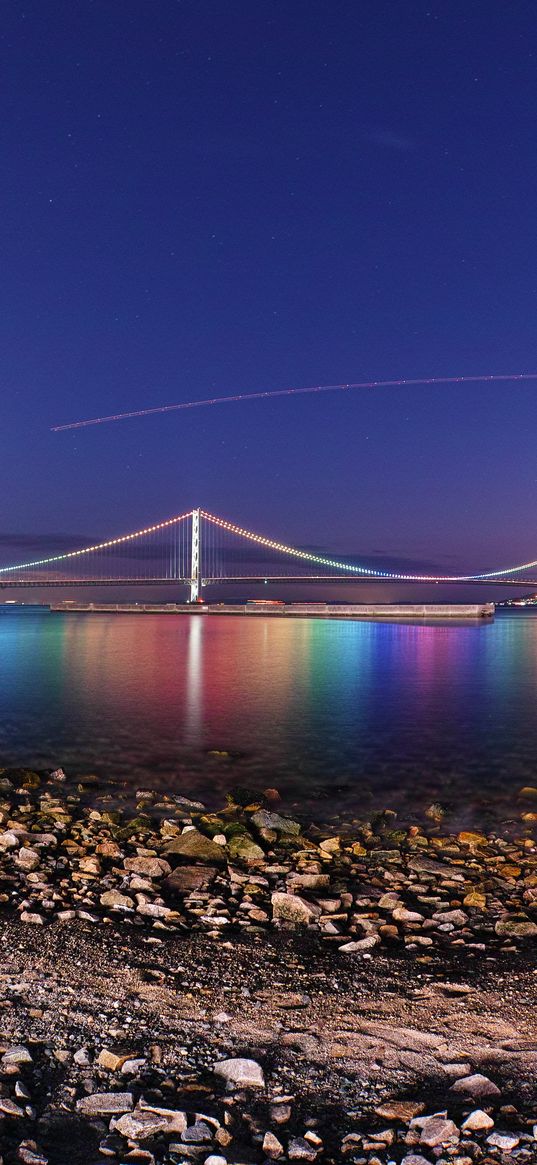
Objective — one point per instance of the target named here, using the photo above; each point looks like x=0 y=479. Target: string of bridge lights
x=231 y=528
x=269 y=544
x=98 y=546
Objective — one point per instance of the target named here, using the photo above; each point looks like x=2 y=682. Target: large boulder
x=193 y=844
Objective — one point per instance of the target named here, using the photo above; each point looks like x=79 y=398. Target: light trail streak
x=493 y=378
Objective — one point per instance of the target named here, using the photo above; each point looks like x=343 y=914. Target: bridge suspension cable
x=198 y=547
x=352 y=568
x=99 y=547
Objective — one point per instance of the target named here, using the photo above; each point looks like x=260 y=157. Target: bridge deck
x=524 y=583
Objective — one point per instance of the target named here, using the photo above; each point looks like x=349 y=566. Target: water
x=341 y=717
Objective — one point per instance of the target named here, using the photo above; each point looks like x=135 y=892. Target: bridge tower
x=195 y=558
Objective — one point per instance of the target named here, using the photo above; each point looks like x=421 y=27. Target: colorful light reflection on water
x=337 y=715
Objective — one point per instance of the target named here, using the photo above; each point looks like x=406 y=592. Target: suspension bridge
x=197 y=549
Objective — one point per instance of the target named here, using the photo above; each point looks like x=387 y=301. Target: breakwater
x=290 y=610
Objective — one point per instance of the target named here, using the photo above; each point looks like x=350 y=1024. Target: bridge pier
x=195 y=558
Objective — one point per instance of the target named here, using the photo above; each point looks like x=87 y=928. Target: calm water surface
x=338 y=716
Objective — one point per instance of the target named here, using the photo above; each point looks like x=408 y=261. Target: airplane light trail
x=241 y=396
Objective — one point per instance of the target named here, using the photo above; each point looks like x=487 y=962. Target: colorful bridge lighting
x=176 y=559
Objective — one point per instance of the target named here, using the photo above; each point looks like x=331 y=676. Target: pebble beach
x=236 y=986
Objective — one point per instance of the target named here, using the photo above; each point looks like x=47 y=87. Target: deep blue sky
x=200 y=198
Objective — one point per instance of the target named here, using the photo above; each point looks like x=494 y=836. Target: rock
x=16 y=1055
x=292 y=908
x=132 y=1067
x=27 y=859
x=151 y=867
x=240 y=1073
x=29 y=1156
x=154 y=910
x=476 y=1086
x=515 y=926
x=245 y=849
x=330 y=845
x=289 y=1000
x=9 y=1108
x=265 y=820
x=272 y=1147
x=455 y=917
x=176 y=1121
x=105 y=1103
x=414 y=1159
x=400 y=1110
x=454 y=988
x=436 y=1130
x=505 y=1141
x=475 y=899
x=477 y=1121
x=90 y=865
x=401 y=914
x=34 y=919
x=116 y=901
x=308 y=881
x=389 y=933
x=455 y=1071
x=194 y=844
x=300 y=1150
x=82 y=1058
x=139 y=1125
x=143 y=1123
x=8 y=840
x=197 y=1134
x=110 y=1060
x=360 y=946
x=473 y=840
x=184 y=879
x=280 y=1113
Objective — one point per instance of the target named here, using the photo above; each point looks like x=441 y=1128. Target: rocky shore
x=233 y=987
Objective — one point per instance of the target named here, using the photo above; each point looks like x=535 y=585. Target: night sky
x=200 y=198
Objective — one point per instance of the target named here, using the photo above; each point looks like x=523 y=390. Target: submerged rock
x=263 y=819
